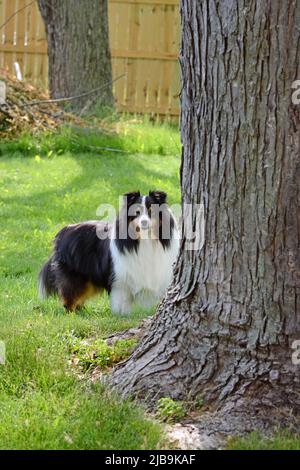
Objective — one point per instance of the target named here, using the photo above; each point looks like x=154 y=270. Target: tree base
x=242 y=390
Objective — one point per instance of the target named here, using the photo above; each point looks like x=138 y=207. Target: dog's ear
x=131 y=197
x=159 y=196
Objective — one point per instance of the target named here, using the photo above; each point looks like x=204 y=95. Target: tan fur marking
x=89 y=291
x=134 y=229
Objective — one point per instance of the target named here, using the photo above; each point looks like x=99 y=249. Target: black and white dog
x=131 y=259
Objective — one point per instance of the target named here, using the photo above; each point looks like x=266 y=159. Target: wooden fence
x=144 y=39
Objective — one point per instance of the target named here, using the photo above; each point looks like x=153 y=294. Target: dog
x=132 y=259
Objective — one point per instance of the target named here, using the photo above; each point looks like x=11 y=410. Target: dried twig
x=15 y=13
x=72 y=98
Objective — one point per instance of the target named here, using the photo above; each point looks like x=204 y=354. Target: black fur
x=47 y=278
x=123 y=240
x=80 y=257
x=81 y=248
x=158 y=200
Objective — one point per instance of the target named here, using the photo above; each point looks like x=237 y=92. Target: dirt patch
x=188 y=437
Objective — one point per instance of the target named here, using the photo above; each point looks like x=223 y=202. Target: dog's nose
x=144 y=224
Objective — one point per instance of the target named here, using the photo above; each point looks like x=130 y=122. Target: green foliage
x=90 y=353
x=170 y=410
x=198 y=402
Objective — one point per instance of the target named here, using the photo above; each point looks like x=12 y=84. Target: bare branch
x=72 y=98
x=15 y=13
x=93 y=147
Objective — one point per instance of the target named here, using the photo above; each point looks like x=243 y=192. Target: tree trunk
x=227 y=324
x=78 y=50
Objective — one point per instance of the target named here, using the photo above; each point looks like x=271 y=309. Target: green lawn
x=44 y=405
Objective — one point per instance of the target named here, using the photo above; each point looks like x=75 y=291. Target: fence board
x=144 y=39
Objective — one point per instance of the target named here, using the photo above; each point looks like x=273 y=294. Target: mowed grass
x=43 y=403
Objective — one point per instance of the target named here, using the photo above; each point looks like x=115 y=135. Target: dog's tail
x=46 y=280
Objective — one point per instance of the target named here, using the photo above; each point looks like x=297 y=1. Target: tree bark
x=227 y=324
x=78 y=50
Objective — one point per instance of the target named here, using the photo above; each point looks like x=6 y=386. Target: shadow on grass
x=121 y=173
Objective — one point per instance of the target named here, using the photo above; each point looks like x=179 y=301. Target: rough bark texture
x=78 y=50
x=226 y=325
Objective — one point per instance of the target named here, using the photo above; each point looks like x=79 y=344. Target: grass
x=44 y=405
x=283 y=440
x=125 y=137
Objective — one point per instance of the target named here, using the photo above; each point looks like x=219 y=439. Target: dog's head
x=147 y=216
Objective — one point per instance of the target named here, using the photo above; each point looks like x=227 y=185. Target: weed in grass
x=91 y=353
x=170 y=410
x=198 y=402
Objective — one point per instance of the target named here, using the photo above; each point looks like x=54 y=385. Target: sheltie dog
x=131 y=259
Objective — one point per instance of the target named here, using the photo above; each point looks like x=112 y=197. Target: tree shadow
x=120 y=173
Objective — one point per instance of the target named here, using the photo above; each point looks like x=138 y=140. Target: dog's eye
x=138 y=211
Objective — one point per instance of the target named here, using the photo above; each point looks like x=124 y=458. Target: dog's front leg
x=121 y=299
x=147 y=299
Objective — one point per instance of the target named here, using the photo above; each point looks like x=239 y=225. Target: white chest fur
x=144 y=275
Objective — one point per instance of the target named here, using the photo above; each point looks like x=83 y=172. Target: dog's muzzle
x=145 y=224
